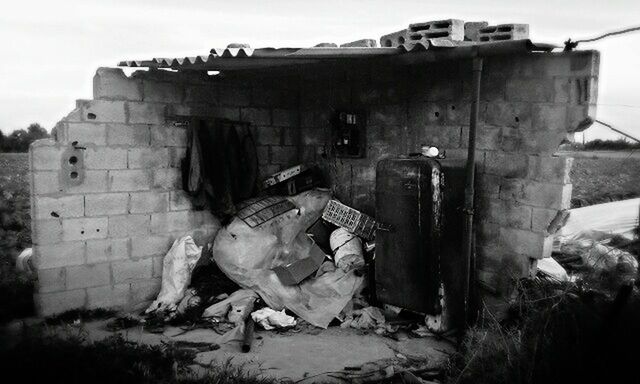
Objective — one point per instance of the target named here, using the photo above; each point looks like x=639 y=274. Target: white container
x=347 y=249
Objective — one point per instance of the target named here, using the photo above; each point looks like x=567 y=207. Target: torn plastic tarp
x=176 y=274
x=601 y=221
x=248 y=255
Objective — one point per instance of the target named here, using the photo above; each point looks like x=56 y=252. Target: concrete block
x=168 y=136
x=113 y=84
x=102 y=111
x=388 y=115
x=549 y=117
x=173 y=221
x=109 y=296
x=509 y=213
x=179 y=201
x=167 y=178
x=45 y=158
x=580 y=117
x=157 y=266
x=149 y=157
x=450 y=29
x=472 y=28
x=515 y=115
x=86 y=133
x=45 y=183
x=148 y=202
x=51 y=280
x=286 y=156
x=533 y=90
x=176 y=155
x=523 y=242
x=541 y=218
x=106 y=204
x=550 y=169
x=59 y=255
x=235 y=96
x=47 y=231
x=365 y=43
x=154 y=91
x=106 y=250
x=105 y=158
x=207 y=94
x=584 y=63
x=83 y=276
x=394 y=39
x=503 y=32
x=151 y=245
x=545 y=195
x=509 y=165
x=256 y=116
x=63 y=206
x=84 y=229
x=145 y=290
x=48 y=304
x=93 y=182
x=131 y=180
x=129 y=270
x=269 y=135
x=128 y=225
x=128 y=135
x=285 y=117
x=146 y=113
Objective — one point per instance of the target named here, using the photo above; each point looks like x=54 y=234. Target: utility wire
x=570 y=45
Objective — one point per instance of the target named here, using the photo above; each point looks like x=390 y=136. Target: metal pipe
x=467 y=241
x=615 y=130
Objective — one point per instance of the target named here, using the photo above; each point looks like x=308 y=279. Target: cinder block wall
x=100 y=243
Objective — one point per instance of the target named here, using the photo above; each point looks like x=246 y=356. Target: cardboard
x=294 y=273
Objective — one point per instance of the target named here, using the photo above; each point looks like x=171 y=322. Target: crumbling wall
x=529 y=104
x=100 y=236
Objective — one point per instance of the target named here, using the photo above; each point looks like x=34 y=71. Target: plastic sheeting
x=601 y=221
x=176 y=274
x=247 y=255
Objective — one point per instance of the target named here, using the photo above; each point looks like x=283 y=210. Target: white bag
x=176 y=274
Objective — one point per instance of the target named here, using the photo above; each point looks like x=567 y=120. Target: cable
x=569 y=45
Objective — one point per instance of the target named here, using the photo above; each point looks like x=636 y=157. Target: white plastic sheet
x=176 y=274
x=270 y=319
x=600 y=221
x=247 y=256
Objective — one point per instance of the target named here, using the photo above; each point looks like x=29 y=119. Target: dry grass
x=604 y=179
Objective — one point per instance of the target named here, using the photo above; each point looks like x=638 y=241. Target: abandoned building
x=107 y=192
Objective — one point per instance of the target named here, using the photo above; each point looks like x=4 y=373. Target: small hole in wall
x=91 y=116
x=73 y=160
x=517 y=119
x=437 y=114
x=74 y=143
x=98 y=230
x=82 y=232
x=73 y=175
x=453 y=107
x=54 y=214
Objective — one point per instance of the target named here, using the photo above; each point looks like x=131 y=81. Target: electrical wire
x=570 y=44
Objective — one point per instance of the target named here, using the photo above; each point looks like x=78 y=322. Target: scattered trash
x=270 y=319
x=294 y=272
x=124 y=322
x=365 y=318
x=281 y=176
x=189 y=300
x=600 y=257
x=350 y=219
x=552 y=268
x=347 y=250
x=248 y=255
x=23 y=261
x=238 y=300
x=176 y=274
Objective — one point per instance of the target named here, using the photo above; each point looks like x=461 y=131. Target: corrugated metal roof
x=248 y=58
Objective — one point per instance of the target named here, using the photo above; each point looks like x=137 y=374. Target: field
x=15 y=235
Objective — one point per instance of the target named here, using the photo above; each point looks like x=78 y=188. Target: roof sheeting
x=423 y=50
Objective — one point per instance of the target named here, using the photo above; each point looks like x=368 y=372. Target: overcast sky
x=49 y=50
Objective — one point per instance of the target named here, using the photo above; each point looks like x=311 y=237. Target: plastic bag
x=176 y=274
x=270 y=319
x=347 y=249
x=247 y=255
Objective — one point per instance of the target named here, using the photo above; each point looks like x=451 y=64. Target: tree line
x=19 y=140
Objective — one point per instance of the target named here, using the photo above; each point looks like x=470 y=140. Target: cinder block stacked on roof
x=394 y=39
x=503 y=32
x=450 y=29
